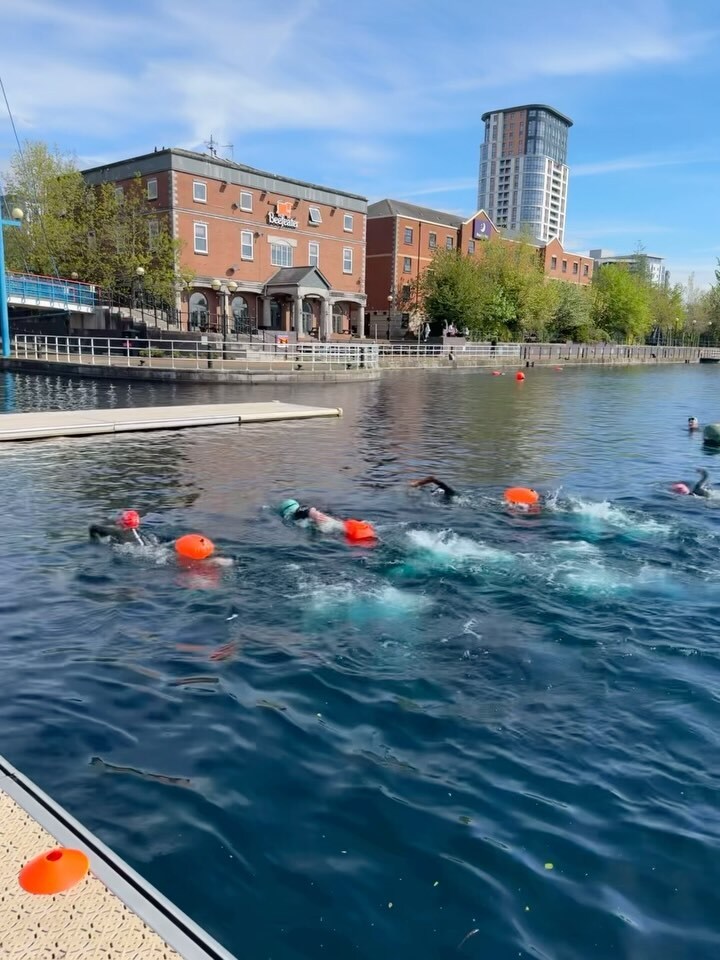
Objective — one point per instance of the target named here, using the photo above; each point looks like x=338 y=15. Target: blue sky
x=384 y=97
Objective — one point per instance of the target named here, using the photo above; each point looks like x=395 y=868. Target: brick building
x=267 y=251
x=402 y=239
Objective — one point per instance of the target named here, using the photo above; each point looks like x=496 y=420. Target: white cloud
x=624 y=164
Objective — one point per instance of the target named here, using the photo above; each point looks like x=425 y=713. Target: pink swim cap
x=129 y=519
x=680 y=488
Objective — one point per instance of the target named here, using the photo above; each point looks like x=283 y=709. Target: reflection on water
x=328 y=751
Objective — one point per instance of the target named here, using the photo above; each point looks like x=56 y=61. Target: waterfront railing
x=201 y=354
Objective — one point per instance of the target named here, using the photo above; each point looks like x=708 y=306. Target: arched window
x=198 y=311
x=308 y=316
x=341 y=318
x=240 y=314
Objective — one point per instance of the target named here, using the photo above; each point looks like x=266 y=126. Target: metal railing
x=31 y=288
x=200 y=354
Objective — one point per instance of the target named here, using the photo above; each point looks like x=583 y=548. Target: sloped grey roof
x=398 y=208
x=297 y=276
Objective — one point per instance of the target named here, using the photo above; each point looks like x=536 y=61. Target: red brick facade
x=285 y=255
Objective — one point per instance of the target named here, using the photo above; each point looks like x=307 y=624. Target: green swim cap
x=287 y=508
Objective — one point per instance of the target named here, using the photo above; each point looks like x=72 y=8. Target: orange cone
x=54 y=871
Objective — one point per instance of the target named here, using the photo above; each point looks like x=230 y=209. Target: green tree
x=451 y=291
x=73 y=227
x=621 y=304
x=572 y=317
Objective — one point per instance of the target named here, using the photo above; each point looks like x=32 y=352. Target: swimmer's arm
x=447 y=490
x=99 y=532
x=221 y=561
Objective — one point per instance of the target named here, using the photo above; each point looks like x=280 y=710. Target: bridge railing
x=201 y=354
x=30 y=288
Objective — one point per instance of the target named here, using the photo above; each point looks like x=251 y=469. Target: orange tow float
x=524 y=496
x=193 y=546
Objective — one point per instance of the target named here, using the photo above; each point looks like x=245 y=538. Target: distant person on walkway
x=124 y=530
x=693 y=424
x=426 y=331
x=445 y=489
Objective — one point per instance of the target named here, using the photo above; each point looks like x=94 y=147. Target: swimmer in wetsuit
x=124 y=530
x=356 y=531
x=702 y=487
x=447 y=491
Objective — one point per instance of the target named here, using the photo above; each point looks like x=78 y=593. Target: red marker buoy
x=519 y=376
x=54 y=871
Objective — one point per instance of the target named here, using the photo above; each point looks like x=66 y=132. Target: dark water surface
x=493 y=736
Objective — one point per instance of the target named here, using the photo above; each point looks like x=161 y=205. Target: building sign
x=481 y=229
x=283 y=215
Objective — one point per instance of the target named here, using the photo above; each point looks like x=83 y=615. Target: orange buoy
x=194 y=546
x=519 y=375
x=359 y=530
x=54 y=871
x=522 y=495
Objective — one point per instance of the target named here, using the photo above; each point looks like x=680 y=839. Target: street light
x=390 y=302
x=139 y=274
x=16 y=218
x=232 y=287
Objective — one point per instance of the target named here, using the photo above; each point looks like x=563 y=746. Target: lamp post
x=390 y=303
x=138 y=285
x=15 y=220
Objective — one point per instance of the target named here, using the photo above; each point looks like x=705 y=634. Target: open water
x=493 y=736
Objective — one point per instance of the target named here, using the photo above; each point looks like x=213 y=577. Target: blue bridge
x=28 y=290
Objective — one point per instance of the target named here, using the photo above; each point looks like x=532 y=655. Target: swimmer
x=693 y=424
x=446 y=490
x=699 y=489
x=354 y=530
x=702 y=487
x=124 y=530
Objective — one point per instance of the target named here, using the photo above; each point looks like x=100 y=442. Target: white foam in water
x=156 y=553
x=575 y=547
x=609 y=514
x=446 y=546
x=380 y=598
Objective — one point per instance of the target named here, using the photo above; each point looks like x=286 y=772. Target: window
x=553 y=263
x=564 y=266
x=199 y=191
x=471 y=246
x=240 y=313
x=348 y=223
x=407 y=265
x=347 y=259
x=246 y=245
x=586 y=270
x=119 y=194
x=315 y=215
x=198 y=311
x=153 y=231
x=406 y=289
x=152 y=189
x=408 y=235
x=281 y=254
x=246 y=201
x=201 y=237
x=449 y=243
x=432 y=241
x=314 y=254
x=576 y=268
